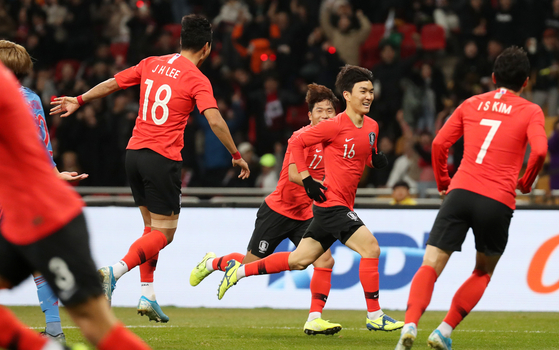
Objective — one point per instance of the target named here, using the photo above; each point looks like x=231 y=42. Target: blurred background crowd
x=427 y=56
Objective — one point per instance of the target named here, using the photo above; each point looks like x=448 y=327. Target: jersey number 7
x=494 y=124
x=158 y=102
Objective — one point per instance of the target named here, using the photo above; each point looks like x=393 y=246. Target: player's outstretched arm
x=221 y=130
x=68 y=105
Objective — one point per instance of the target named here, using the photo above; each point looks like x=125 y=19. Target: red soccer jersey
x=35 y=203
x=347 y=149
x=170 y=85
x=290 y=199
x=496 y=126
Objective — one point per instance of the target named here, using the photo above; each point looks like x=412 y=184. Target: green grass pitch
x=273 y=329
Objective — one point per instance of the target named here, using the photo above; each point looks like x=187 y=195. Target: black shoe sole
x=330 y=331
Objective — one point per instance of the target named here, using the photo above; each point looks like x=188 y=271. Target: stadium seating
x=369 y=54
x=408 y=47
x=433 y=37
x=119 y=51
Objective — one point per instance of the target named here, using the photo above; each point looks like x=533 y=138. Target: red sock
x=274 y=263
x=320 y=288
x=144 y=248
x=221 y=263
x=368 y=275
x=466 y=297
x=148 y=268
x=421 y=291
x=121 y=338
x=15 y=335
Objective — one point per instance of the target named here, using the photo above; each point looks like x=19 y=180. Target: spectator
x=247 y=151
x=552 y=16
x=505 y=24
x=268 y=178
x=268 y=111
x=546 y=66
x=426 y=175
x=401 y=194
x=474 y=22
x=217 y=160
x=553 y=148
x=468 y=72
x=388 y=87
x=379 y=177
x=406 y=167
x=345 y=37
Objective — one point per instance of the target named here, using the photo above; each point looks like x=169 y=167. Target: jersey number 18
x=158 y=102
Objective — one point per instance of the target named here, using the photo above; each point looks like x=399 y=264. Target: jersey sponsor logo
x=318 y=150
x=353 y=216
x=347 y=140
x=263 y=246
x=372 y=138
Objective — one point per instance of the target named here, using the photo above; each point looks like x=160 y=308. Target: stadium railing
x=253 y=197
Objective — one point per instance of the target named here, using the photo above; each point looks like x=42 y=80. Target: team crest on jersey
x=263 y=247
x=372 y=138
x=353 y=216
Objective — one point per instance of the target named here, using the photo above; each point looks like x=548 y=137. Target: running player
x=43 y=229
x=349 y=143
x=286 y=213
x=496 y=127
x=17 y=59
x=170 y=86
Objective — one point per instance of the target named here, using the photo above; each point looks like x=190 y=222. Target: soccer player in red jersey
x=43 y=229
x=496 y=127
x=349 y=144
x=170 y=86
x=286 y=213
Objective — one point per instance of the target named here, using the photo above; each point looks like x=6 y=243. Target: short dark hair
x=401 y=184
x=350 y=75
x=318 y=93
x=196 y=31
x=512 y=68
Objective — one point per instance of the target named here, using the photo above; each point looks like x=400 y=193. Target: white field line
x=300 y=328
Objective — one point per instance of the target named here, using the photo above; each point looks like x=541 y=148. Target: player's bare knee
x=372 y=251
x=169 y=236
x=300 y=264
x=325 y=263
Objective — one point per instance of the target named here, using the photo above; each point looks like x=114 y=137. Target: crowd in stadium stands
x=427 y=56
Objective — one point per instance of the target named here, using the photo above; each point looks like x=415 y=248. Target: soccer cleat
x=229 y=278
x=384 y=323
x=108 y=281
x=200 y=271
x=406 y=338
x=320 y=326
x=438 y=341
x=152 y=310
x=61 y=338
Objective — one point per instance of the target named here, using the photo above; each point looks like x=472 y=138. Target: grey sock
x=54 y=328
